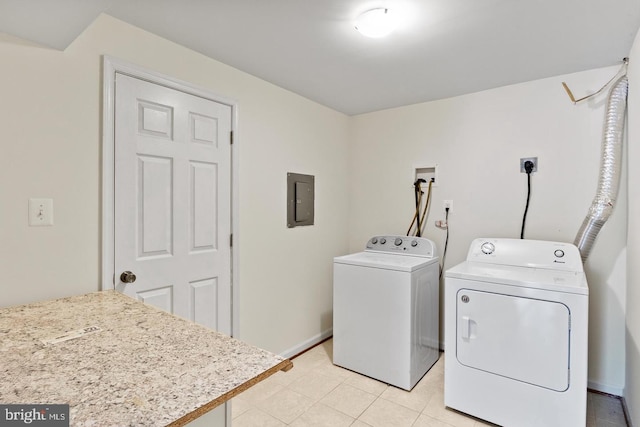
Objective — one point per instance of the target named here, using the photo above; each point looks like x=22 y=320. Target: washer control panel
x=526 y=253
x=407 y=245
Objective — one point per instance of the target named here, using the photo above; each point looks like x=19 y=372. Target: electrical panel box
x=300 y=199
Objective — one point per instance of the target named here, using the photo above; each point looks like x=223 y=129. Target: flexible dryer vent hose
x=609 y=180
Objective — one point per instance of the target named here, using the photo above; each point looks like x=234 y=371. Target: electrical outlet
x=447 y=204
x=534 y=160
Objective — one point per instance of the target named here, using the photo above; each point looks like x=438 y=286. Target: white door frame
x=111 y=66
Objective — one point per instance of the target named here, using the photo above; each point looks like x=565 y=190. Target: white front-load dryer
x=386 y=310
x=516 y=316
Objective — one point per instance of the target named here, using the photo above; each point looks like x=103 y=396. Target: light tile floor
x=317 y=393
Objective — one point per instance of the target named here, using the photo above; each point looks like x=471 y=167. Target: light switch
x=40 y=212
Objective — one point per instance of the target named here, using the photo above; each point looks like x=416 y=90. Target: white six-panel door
x=172 y=200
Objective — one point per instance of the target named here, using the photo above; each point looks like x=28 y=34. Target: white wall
x=632 y=386
x=477 y=140
x=51 y=144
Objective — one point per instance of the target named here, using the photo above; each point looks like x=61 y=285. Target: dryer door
x=519 y=338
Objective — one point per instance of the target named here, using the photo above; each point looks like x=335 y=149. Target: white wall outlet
x=40 y=212
x=447 y=204
x=533 y=160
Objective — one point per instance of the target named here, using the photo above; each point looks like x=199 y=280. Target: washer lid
x=573 y=282
x=385 y=261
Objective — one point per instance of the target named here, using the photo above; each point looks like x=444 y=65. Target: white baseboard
x=605 y=388
x=305 y=345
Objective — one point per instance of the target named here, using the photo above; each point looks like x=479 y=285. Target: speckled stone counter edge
x=285 y=365
x=172 y=348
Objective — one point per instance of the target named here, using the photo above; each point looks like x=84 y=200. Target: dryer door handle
x=466 y=327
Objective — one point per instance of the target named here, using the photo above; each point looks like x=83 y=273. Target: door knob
x=127 y=277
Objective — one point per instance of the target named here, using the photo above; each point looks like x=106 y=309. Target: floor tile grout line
x=318 y=361
x=365 y=409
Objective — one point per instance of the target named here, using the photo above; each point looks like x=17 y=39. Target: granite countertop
x=135 y=365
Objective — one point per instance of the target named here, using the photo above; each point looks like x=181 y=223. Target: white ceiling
x=446 y=48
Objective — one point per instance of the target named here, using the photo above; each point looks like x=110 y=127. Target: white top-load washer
x=516 y=316
x=385 y=310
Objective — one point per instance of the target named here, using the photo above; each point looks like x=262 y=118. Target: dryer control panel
x=526 y=253
x=405 y=245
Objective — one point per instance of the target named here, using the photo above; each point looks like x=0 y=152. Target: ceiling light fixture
x=376 y=23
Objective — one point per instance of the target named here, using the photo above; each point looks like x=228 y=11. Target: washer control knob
x=414 y=243
x=559 y=253
x=487 y=248
x=398 y=241
x=383 y=241
x=374 y=240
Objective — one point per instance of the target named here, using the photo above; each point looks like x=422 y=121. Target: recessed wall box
x=300 y=199
x=428 y=173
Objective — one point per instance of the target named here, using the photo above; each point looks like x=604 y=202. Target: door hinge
x=231 y=138
x=231 y=239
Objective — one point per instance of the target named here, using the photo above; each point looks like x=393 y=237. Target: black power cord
x=528 y=167
x=446 y=240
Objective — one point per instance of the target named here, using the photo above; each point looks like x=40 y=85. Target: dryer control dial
x=559 y=253
x=398 y=241
x=487 y=248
